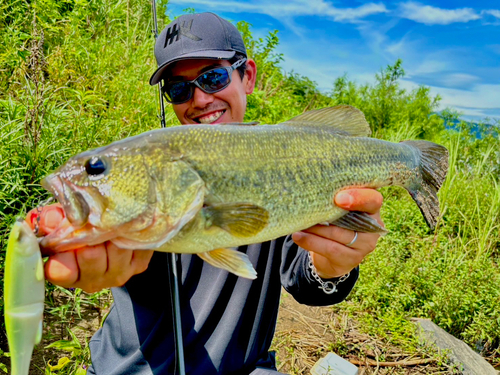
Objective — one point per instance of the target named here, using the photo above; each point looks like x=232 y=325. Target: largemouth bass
x=207 y=188
x=24 y=293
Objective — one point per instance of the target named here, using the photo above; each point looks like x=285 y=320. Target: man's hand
x=90 y=268
x=327 y=243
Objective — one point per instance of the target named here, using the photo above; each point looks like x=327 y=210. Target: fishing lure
x=24 y=293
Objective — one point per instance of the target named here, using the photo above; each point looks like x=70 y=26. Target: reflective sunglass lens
x=210 y=82
x=178 y=92
x=214 y=80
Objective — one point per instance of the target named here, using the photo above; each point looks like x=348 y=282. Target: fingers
x=90 y=268
x=325 y=269
x=327 y=244
x=94 y=268
x=331 y=258
x=364 y=241
x=140 y=260
x=123 y=264
x=62 y=269
x=366 y=200
x=92 y=264
x=47 y=218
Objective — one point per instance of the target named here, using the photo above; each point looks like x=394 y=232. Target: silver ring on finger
x=353 y=240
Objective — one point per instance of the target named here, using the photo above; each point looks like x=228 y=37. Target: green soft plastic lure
x=24 y=293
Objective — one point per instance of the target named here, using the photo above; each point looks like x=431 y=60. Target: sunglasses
x=210 y=82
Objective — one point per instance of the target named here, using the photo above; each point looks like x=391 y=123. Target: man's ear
x=250 y=76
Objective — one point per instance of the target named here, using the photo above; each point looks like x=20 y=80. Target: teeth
x=210 y=118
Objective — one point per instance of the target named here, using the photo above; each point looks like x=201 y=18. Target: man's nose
x=201 y=98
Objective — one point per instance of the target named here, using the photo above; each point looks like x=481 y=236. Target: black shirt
x=228 y=322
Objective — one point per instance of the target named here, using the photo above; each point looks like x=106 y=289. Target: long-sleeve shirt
x=228 y=322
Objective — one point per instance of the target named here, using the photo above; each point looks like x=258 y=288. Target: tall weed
x=450 y=276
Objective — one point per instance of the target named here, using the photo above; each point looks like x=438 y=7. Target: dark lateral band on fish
x=204 y=189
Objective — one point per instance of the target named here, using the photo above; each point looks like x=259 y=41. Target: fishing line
x=171 y=258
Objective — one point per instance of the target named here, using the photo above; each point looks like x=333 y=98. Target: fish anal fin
x=344 y=119
x=239 y=219
x=230 y=260
x=360 y=222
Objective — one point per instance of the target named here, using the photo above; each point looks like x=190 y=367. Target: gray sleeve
x=297 y=279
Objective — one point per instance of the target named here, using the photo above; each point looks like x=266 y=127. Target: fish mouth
x=74 y=205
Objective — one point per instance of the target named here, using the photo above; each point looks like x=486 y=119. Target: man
x=227 y=322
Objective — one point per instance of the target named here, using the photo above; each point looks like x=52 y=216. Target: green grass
x=450 y=276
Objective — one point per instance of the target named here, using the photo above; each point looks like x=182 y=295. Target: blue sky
x=453 y=47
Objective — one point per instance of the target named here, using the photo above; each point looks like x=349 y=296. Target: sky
x=453 y=47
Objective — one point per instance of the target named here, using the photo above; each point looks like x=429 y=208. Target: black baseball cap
x=196 y=36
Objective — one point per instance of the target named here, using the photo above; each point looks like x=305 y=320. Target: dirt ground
x=306 y=334
x=303 y=336
x=55 y=329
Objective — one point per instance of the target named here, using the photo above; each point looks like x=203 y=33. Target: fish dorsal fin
x=342 y=118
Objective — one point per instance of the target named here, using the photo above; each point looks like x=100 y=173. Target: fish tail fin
x=433 y=168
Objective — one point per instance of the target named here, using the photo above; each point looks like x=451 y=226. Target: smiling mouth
x=209 y=118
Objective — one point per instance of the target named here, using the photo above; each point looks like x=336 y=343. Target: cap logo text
x=174 y=33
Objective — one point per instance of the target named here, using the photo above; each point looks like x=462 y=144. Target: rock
x=459 y=353
x=332 y=364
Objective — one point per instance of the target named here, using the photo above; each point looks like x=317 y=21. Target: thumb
x=47 y=218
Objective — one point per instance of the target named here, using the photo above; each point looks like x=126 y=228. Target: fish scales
x=205 y=188
x=292 y=174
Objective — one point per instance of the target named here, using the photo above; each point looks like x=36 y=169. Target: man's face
x=228 y=105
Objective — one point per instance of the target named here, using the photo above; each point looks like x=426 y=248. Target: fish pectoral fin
x=360 y=222
x=344 y=119
x=230 y=260
x=238 y=219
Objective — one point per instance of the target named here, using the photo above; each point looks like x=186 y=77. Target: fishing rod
x=160 y=84
x=172 y=259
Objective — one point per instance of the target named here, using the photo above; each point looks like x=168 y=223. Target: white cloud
x=480 y=102
x=397 y=48
x=493 y=12
x=449 y=70
x=376 y=38
x=482 y=96
x=430 y=15
x=293 y=8
x=430 y=65
x=458 y=80
x=351 y=14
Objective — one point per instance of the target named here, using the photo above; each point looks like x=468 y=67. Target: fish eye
x=95 y=166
